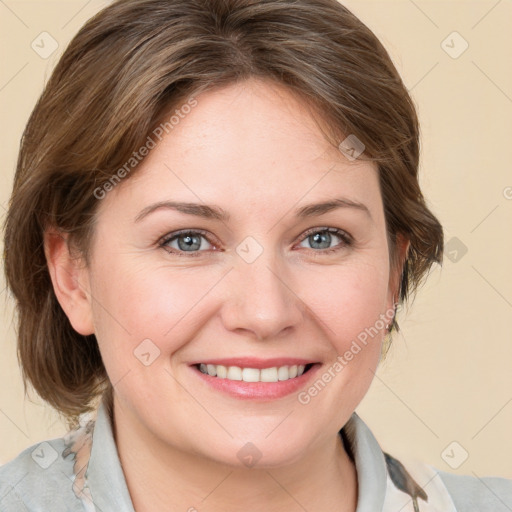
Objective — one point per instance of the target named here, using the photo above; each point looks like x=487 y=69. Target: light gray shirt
x=81 y=472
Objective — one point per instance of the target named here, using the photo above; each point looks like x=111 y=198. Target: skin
x=248 y=148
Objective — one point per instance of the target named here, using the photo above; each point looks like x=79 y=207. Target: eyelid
x=320 y=229
x=175 y=234
x=345 y=236
x=347 y=240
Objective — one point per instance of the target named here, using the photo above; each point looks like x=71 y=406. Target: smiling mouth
x=237 y=373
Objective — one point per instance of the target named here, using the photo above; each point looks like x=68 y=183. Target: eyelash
x=347 y=241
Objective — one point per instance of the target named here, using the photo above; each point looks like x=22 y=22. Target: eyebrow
x=217 y=213
x=313 y=210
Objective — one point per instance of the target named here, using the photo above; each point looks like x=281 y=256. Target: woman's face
x=263 y=281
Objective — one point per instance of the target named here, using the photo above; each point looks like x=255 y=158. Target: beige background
x=448 y=377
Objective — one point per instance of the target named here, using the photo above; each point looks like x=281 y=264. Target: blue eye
x=322 y=238
x=190 y=242
x=187 y=241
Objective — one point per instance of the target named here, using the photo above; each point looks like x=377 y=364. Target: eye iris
x=322 y=236
x=190 y=242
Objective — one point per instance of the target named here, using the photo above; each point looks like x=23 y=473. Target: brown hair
x=128 y=67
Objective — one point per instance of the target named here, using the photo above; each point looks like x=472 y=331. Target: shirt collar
x=370 y=464
x=105 y=478
x=107 y=483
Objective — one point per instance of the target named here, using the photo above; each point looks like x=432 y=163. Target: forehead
x=254 y=144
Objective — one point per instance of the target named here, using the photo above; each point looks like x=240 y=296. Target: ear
x=397 y=265
x=70 y=279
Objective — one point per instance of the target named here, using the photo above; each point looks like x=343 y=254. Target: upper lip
x=254 y=362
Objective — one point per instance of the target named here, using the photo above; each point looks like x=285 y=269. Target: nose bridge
x=260 y=298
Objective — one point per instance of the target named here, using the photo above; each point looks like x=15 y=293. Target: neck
x=162 y=478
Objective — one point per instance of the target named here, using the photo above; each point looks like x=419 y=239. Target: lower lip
x=263 y=391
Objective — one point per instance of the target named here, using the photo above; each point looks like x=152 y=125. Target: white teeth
x=250 y=375
x=222 y=371
x=282 y=373
x=234 y=373
x=273 y=374
x=269 y=374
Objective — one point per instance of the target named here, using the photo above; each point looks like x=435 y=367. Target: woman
x=215 y=217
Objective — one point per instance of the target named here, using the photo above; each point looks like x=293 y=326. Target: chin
x=258 y=453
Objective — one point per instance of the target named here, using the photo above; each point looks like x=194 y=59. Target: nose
x=261 y=300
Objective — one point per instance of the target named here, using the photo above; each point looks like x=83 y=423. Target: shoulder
x=41 y=478
x=434 y=490
x=486 y=494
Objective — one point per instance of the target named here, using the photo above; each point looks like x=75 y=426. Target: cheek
x=133 y=303
x=350 y=304
x=349 y=300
